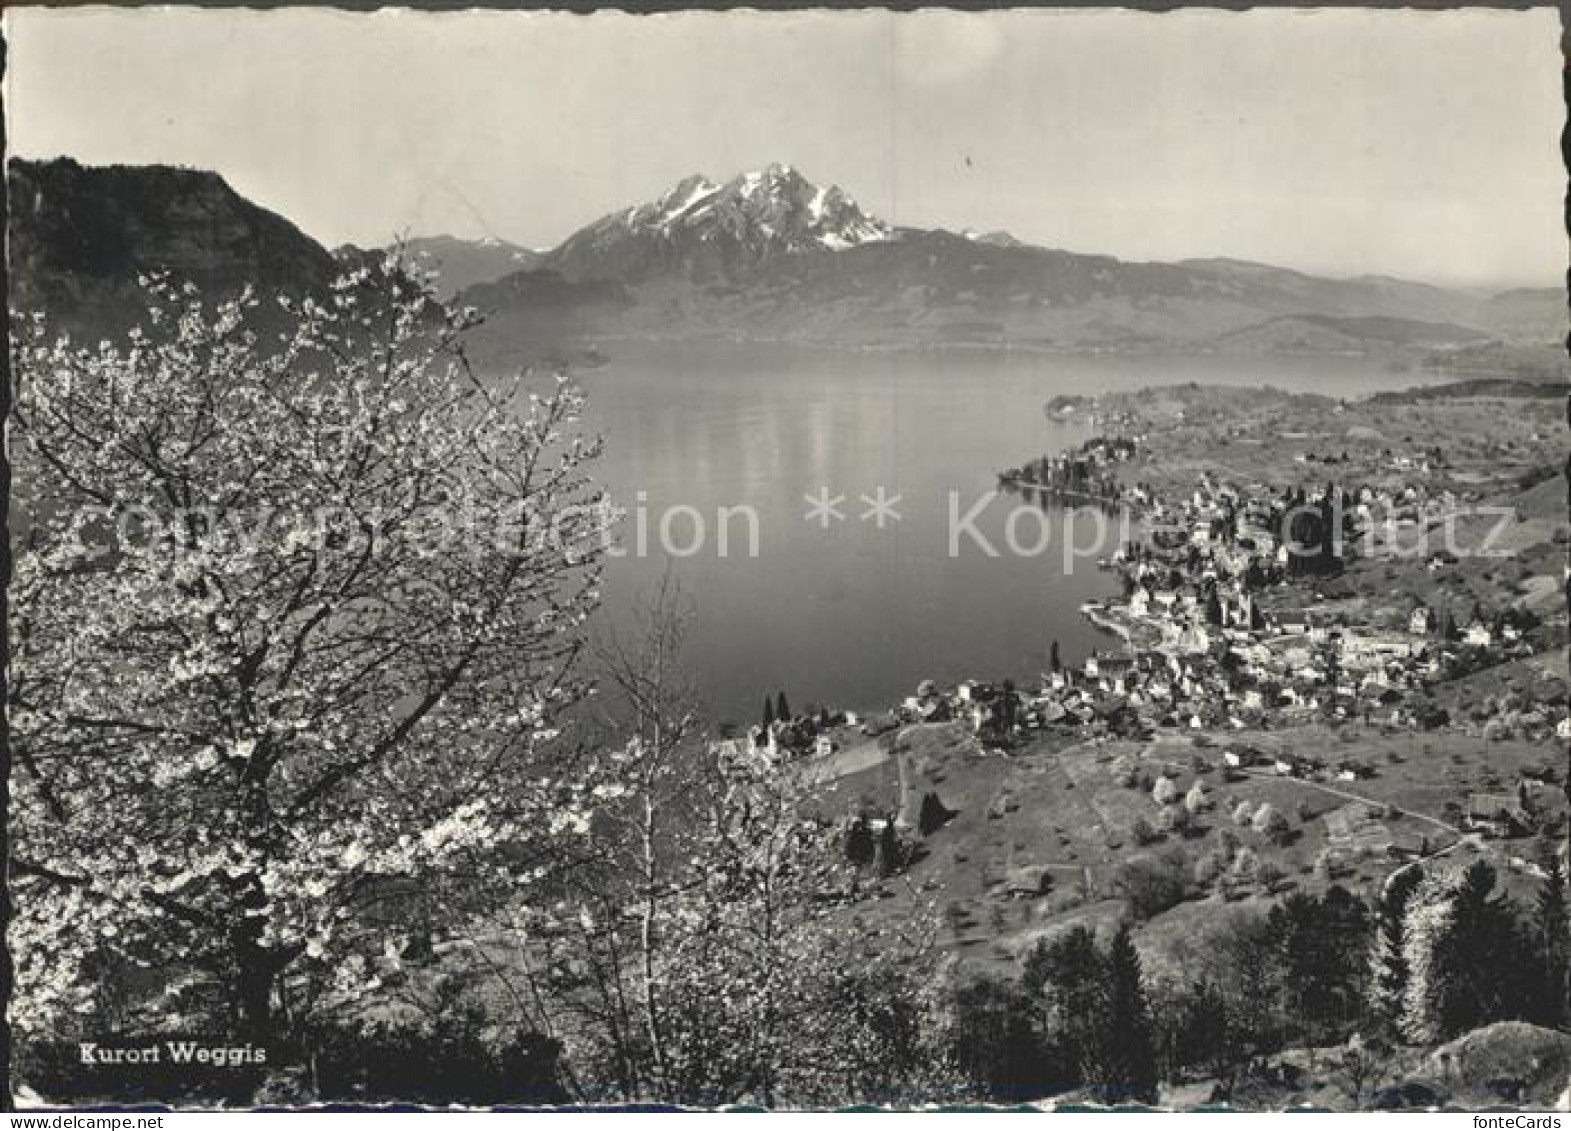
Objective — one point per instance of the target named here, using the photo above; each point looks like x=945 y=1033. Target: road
x=1348 y=795
x=1461 y=835
x=844 y=763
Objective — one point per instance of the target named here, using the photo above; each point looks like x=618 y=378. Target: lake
x=837 y=611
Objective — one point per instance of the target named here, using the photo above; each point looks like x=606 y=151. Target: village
x=1261 y=669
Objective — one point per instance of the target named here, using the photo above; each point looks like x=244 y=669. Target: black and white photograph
x=787 y=560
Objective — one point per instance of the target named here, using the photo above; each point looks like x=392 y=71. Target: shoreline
x=1097 y=614
x=1418 y=375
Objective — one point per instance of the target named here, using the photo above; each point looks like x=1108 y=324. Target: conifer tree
x=1064 y=974
x=859 y=842
x=1213 y=607
x=1427 y=924
x=1467 y=963
x=1121 y=1060
x=888 y=848
x=933 y=816
x=1552 y=939
x=1206 y=1035
x=1329 y=534
x=1388 y=960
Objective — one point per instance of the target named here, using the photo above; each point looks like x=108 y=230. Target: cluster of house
x=1208 y=642
x=1196 y=626
x=1247 y=524
x=1201 y=648
x=1423 y=462
x=1501 y=813
x=1296 y=764
x=1234 y=666
x=1088 y=471
x=1508 y=629
x=987 y=707
x=789 y=736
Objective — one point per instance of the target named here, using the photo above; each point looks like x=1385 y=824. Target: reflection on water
x=837 y=611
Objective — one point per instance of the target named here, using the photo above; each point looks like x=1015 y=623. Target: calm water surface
x=854 y=616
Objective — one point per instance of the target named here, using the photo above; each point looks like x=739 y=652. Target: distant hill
x=1324 y=332
x=1536 y=314
x=1492 y=387
x=997 y=239
x=463 y=263
x=1365 y=296
x=1528 y=361
x=555 y=317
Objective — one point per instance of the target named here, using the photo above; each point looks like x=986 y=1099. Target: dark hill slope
x=81 y=236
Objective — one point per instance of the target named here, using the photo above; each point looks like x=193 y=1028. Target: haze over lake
x=849 y=615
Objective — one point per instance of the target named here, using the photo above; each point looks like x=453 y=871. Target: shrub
x=1271 y=824
x=1327 y=867
x=1210 y=866
x=1269 y=873
x=1153 y=884
x=1165 y=791
x=1246 y=866
x=452 y=1056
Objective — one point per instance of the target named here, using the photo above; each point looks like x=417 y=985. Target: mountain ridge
x=766 y=255
x=882 y=284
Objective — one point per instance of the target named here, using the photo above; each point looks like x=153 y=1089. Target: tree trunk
x=254 y=972
x=646 y=941
x=255 y=967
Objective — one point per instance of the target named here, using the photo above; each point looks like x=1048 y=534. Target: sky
x=1419 y=144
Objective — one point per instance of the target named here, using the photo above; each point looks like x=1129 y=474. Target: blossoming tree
x=701 y=952
x=294 y=620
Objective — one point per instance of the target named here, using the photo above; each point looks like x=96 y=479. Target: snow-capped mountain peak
x=802 y=213
x=704 y=227
x=669 y=209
